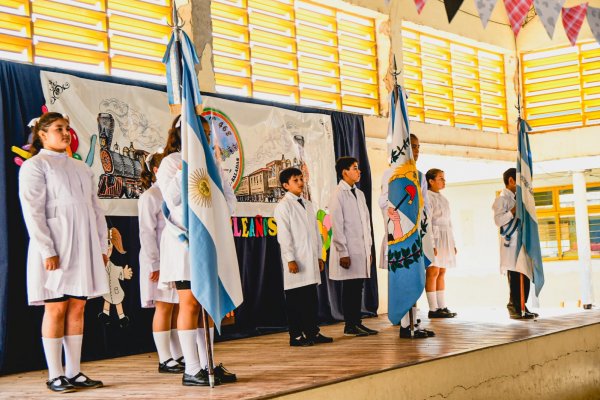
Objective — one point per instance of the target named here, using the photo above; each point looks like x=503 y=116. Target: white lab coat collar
x=53 y=153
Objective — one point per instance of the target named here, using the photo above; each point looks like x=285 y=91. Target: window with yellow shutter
x=119 y=37
x=452 y=83
x=295 y=51
x=561 y=87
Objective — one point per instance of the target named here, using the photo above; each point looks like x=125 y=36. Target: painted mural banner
x=119 y=125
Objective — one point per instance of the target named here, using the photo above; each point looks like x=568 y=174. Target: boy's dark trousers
x=302 y=309
x=514 y=282
x=352 y=301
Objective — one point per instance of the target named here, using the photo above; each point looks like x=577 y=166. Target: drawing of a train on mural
x=122 y=167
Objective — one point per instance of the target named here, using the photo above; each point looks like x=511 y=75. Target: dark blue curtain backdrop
x=21 y=99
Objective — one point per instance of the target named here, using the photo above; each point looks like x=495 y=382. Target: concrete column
x=582 y=225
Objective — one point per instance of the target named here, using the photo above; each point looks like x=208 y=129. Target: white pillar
x=582 y=225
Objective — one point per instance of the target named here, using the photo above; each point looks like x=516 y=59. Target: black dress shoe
x=124 y=322
x=87 y=383
x=60 y=385
x=318 y=339
x=445 y=309
x=165 y=368
x=368 y=330
x=418 y=334
x=534 y=314
x=355 y=331
x=104 y=318
x=181 y=361
x=439 y=313
x=223 y=374
x=300 y=342
x=429 y=333
x=200 y=379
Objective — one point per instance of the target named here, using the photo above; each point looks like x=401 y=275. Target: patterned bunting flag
x=593 y=17
x=572 y=19
x=548 y=12
x=517 y=11
x=485 y=8
x=420 y=4
x=452 y=7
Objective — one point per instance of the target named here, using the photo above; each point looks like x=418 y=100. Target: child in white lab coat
x=300 y=243
x=444 y=246
x=165 y=302
x=67 y=247
x=505 y=208
x=350 y=259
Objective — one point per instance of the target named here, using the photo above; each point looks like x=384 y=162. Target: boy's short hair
x=344 y=163
x=509 y=173
x=287 y=174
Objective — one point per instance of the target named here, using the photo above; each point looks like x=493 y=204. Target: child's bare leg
x=73 y=337
x=162 y=317
x=430 y=287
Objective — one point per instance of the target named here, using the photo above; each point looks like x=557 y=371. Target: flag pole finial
x=176 y=23
x=395 y=72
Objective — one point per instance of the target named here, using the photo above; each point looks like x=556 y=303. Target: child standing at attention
x=165 y=302
x=350 y=259
x=67 y=247
x=444 y=248
x=300 y=242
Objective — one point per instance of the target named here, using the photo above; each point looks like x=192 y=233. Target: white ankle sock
x=187 y=339
x=161 y=340
x=174 y=345
x=432 y=300
x=53 y=353
x=441 y=298
x=72 y=345
x=405 y=321
x=202 y=346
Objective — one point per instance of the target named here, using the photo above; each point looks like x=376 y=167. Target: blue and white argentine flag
x=215 y=276
x=529 y=254
x=406 y=263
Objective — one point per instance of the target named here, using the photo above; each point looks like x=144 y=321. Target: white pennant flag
x=485 y=8
x=548 y=11
x=593 y=17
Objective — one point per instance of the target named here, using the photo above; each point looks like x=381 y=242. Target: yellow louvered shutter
x=453 y=84
x=119 y=37
x=295 y=51
x=552 y=95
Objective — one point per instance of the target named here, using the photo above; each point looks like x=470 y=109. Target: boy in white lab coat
x=505 y=207
x=300 y=242
x=350 y=259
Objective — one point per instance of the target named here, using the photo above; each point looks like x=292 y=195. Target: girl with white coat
x=67 y=247
x=165 y=302
x=300 y=243
x=350 y=257
x=444 y=247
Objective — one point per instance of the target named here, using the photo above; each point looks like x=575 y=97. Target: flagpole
x=209 y=349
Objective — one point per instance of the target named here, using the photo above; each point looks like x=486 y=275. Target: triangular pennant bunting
x=485 y=8
x=517 y=11
x=548 y=11
x=593 y=17
x=420 y=4
x=452 y=7
x=572 y=19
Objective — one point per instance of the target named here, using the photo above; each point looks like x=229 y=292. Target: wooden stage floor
x=266 y=366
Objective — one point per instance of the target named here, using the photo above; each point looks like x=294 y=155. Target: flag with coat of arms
x=405 y=216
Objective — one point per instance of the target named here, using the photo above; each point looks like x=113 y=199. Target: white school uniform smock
x=152 y=223
x=299 y=240
x=174 y=263
x=351 y=235
x=502 y=216
x=384 y=204
x=64 y=219
x=441 y=224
